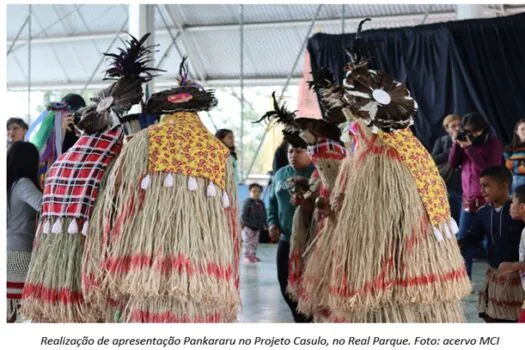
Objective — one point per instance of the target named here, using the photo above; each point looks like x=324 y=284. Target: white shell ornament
x=105 y=103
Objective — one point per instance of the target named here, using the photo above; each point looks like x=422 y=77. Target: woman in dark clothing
x=474 y=149
x=440 y=153
x=24 y=198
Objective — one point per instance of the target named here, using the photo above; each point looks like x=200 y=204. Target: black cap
x=74 y=102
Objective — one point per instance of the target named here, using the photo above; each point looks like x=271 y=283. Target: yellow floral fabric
x=429 y=183
x=182 y=144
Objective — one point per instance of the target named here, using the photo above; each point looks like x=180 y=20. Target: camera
x=463 y=135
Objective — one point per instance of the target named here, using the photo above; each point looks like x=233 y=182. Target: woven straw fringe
x=186 y=223
x=307 y=228
x=12 y=308
x=337 y=192
x=501 y=296
x=381 y=243
x=314 y=283
x=440 y=312
x=301 y=236
x=328 y=170
x=171 y=310
x=93 y=254
x=233 y=220
x=56 y=265
x=303 y=230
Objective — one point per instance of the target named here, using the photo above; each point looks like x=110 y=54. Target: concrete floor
x=262 y=300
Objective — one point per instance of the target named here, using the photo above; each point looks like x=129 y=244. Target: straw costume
x=327 y=153
x=322 y=139
x=170 y=230
x=392 y=255
x=74 y=185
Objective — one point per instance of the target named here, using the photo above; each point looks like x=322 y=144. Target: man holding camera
x=474 y=149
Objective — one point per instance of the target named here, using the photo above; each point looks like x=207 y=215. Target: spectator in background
x=16 y=130
x=475 y=148
x=253 y=220
x=515 y=155
x=74 y=102
x=517 y=211
x=281 y=212
x=228 y=139
x=24 y=198
x=440 y=154
x=280 y=157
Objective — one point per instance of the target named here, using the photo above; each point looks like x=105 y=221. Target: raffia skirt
x=501 y=296
x=17 y=267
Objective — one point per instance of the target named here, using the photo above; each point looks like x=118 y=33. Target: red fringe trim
x=374 y=149
x=522 y=316
x=91 y=280
x=168 y=317
x=166 y=265
x=294 y=274
x=504 y=280
x=324 y=191
x=115 y=303
x=125 y=214
x=53 y=296
x=231 y=213
x=503 y=303
x=16 y=296
x=408 y=282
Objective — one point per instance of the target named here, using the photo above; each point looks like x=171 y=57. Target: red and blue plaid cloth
x=73 y=180
x=326 y=149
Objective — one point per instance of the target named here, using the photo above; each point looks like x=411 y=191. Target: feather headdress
x=369 y=94
x=281 y=115
x=324 y=84
x=129 y=70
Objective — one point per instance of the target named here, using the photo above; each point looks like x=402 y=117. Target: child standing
x=517 y=211
x=515 y=155
x=501 y=296
x=253 y=219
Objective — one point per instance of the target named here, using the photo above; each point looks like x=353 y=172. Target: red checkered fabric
x=73 y=180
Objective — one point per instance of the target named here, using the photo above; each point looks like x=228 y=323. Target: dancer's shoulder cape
x=173 y=240
x=72 y=208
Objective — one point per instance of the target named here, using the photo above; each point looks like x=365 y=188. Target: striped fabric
x=72 y=182
x=17 y=267
x=515 y=160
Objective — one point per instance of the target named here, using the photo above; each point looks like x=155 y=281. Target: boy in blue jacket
x=501 y=297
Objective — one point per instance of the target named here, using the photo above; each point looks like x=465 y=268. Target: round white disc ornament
x=381 y=96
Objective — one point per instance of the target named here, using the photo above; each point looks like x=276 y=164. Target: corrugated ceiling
x=274 y=35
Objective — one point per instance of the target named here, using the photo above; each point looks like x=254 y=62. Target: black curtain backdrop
x=454 y=67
